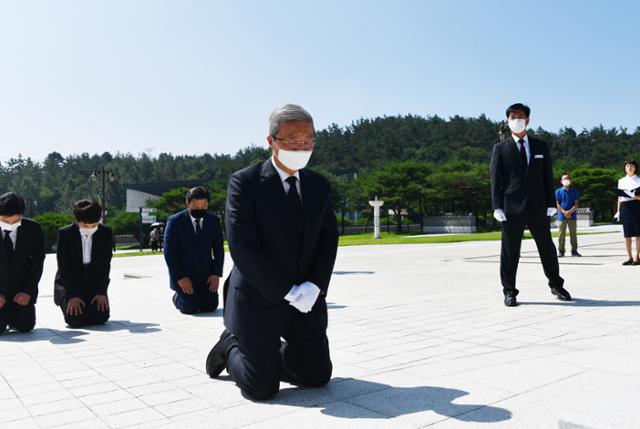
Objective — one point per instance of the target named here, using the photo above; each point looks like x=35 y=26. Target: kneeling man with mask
x=283 y=239
x=194 y=252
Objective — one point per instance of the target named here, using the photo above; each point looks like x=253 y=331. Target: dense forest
x=422 y=164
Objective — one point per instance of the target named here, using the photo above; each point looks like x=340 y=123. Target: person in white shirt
x=628 y=211
x=84 y=263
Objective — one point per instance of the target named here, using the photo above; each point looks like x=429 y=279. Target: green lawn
x=392 y=238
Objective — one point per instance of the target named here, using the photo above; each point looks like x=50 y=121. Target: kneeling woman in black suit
x=84 y=263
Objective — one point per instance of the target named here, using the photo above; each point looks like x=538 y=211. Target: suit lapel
x=309 y=203
x=270 y=182
x=76 y=244
x=95 y=244
x=21 y=244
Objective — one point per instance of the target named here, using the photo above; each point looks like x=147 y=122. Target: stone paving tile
x=412 y=345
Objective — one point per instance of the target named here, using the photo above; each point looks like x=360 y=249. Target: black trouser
x=260 y=360
x=512 y=230
x=20 y=317
x=201 y=300
x=90 y=314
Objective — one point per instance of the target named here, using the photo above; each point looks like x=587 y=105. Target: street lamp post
x=103 y=174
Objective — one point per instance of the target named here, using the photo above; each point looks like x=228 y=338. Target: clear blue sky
x=189 y=76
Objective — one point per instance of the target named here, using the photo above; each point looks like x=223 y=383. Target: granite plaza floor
x=419 y=337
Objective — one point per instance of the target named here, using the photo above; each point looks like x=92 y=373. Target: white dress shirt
x=284 y=176
x=526 y=145
x=628 y=183
x=87 y=243
x=193 y=222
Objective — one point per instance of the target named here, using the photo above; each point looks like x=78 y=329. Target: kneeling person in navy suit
x=194 y=251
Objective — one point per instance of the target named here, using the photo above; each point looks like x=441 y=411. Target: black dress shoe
x=560 y=254
x=575 y=253
x=510 y=300
x=561 y=293
x=629 y=262
x=217 y=358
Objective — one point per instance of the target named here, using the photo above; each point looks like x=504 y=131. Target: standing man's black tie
x=523 y=154
x=198 y=228
x=295 y=206
x=8 y=244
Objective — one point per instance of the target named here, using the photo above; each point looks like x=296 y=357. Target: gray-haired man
x=283 y=239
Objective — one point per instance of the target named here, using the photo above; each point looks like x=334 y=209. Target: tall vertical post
x=376 y=204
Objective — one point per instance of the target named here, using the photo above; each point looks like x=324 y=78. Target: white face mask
x=10 y=226
x=517 y=125
x=88 y=231
x=294 y=159
x=566 y=182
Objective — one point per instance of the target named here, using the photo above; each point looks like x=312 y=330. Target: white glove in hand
x=307 y=294
x=293 y=294
x=617 y=216
x=551 y=211
x=499 y=215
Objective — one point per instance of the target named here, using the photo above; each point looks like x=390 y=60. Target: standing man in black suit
x=21 y=260
x=522 y=193
x=194 y=252
x=283 y=239
x=84 y=264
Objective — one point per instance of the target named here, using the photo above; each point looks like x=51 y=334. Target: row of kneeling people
x=194 y=253
x=84 y=262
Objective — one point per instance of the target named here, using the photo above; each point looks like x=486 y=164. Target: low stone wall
x=463 y=224
x=584 y=217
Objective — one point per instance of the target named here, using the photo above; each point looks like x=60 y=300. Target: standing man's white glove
x=303 y=297
x=499 y=215
x=551 y=211
x=617 y=216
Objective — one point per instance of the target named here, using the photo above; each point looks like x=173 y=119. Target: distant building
x=139 y=193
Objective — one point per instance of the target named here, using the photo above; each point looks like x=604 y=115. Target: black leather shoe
x=174 y=299
x=575 y=253
x=560 y=254
x=217 y=358
x=561 y=293
x=629 y=262
x=510 y=300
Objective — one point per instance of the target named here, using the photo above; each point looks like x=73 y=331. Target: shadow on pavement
x=54 y=336
x=334 y=306
x=346 y=273
x=377 y=400
x=125 y=325
x=73 y=336
x=579 y=302
x=217 y=313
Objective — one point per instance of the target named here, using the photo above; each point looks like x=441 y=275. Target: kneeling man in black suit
x=21 y=261
x=283 y=239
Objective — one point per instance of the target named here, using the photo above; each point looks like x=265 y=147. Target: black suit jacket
x=23 y=273
x=516 y=190
x=268 y=259
x=68 y=282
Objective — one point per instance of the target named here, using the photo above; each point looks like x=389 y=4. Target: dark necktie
x=523 y=154
x=295 y=206
x=8 y=244
x=198 y=228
